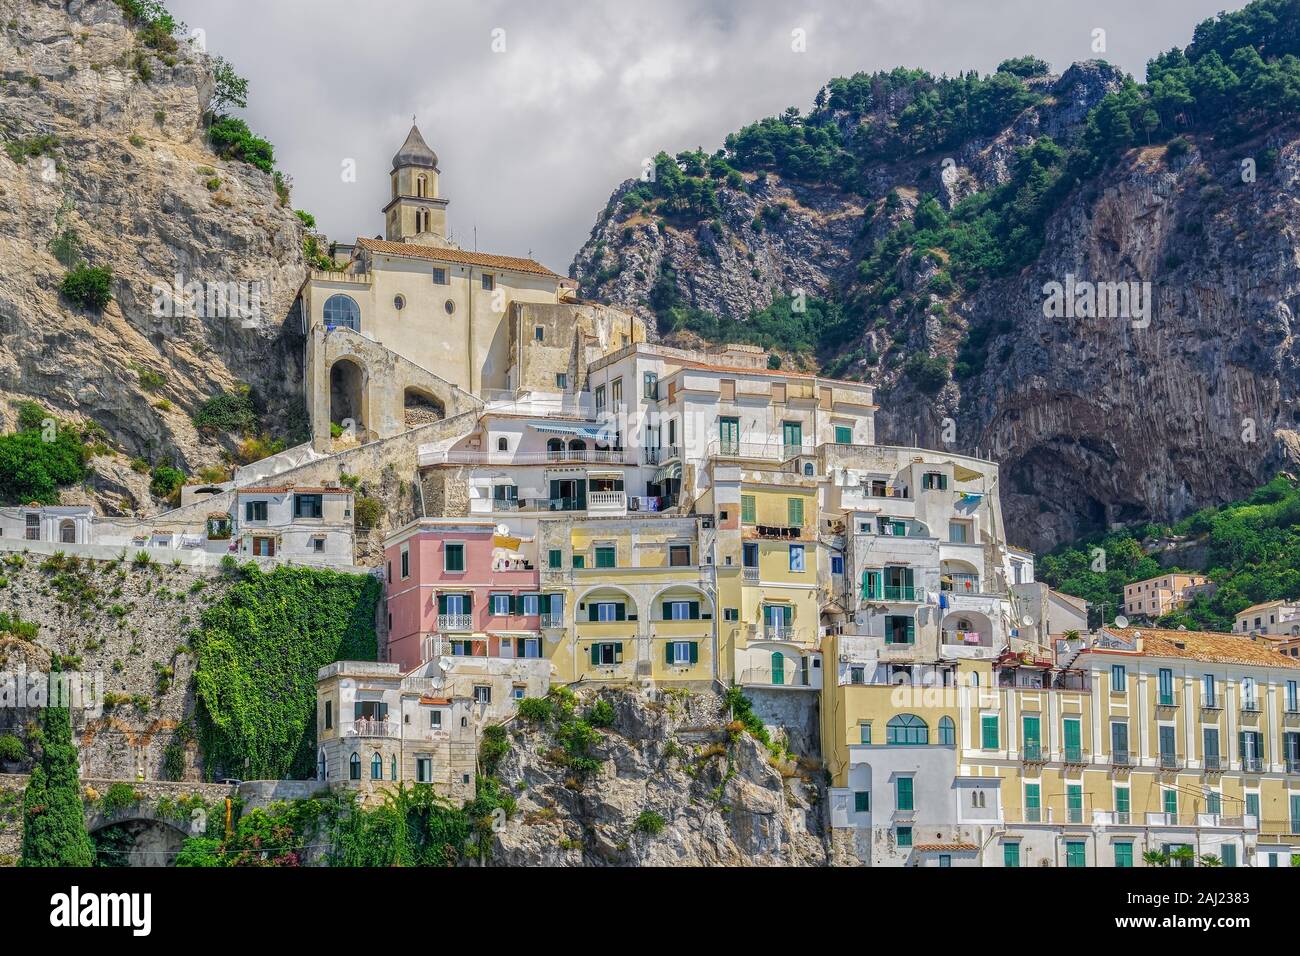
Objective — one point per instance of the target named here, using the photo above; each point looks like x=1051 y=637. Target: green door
x=792 y=433
x=1073 y=745
x=729 y=435
x=778 y=667
x=1033 y=738
x=1074 y=802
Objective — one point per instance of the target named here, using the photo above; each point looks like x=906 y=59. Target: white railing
x=778 y=632
x=767 y=451
x=455 y=622
x=366 y=727
x=606 y=499
x=751 y=575
x=463 y=456
x=765 y=675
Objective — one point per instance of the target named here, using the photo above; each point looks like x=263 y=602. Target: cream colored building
x=1272 y=618
x=1160 y=595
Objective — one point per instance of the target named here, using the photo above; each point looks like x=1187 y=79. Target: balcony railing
x=1033 y=814
x=1211 y=702
x=901 y=592
x=766 y=676
x=1073 y=755
x=1033 y=752
x=1121 y=758
x=1170 y=761
x=778 y=632
x=657 y=456
x=1250 y=707
x=469 y=456
x=552 y=620
x=961 y=584
x=751 y=575
x=1213 y=762
x=455 y=622
x=1252 y=764
x=771 y=451
x=1167 y=700
x=1293 y=764
x=606 y=499
x=887 y=492
x=1074 y=814
x=370 y=728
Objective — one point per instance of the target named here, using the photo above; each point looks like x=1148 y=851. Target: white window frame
x=681 y=652
x=802 y=562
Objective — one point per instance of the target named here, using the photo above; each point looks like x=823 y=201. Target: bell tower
x=415 y=212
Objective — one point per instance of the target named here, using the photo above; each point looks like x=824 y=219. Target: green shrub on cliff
x=54 y=822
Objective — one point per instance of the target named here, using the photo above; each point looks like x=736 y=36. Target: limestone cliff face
x=723 y=800
x=134 y=178
x=1093 y=420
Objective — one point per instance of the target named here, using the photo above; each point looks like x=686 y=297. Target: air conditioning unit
x=844 y=658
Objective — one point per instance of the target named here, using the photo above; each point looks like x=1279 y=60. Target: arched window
x=947 y=732
x=321 y=769
x=342 y=310
x=577 y=445
x=392 y=765
x=422 y=186
x=354 y=767
x=67 y=531
x=555 y=446
x=906 y=729
x=376 y=767
x=503 y=444
x=808 y=468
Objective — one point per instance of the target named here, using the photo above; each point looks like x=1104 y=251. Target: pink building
x=456 y=587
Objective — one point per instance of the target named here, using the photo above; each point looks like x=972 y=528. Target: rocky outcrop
x=704 y=794
x=129 y=173
x=1094 y=421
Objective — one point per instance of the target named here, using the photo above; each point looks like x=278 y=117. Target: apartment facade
x=1157 y=596
x=1272 y=618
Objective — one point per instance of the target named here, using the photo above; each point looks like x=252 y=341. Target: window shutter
x=442 y=604
x=543 y=604
x=591 y=612
x=695 y=610
x=620 y=613
x=767 y=614
x=668 y=610
x=618 y=653
x=668 y=653
x=911 y=630
x=469 y=603
x=695 y=652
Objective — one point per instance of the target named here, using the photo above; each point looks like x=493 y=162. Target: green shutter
x=668 y=610
x=668 y=653
x=695 y=610
x=794 y=510
x=469 y=603
x=556 y=558
x=595 y=655
x=843 y=435
x=695 y=652
x=543 y=604
x=591 y=612
x=618 y=652
x=911 y=630
x=442 y=604
x=620 y=611
x=747 y=509
x=989 y=733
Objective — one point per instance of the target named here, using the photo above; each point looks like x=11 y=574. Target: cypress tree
x=54 y=821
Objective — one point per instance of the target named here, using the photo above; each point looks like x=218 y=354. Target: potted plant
x=12 y=753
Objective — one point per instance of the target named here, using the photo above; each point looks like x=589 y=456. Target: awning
x=962 y=473
x=673 y=470
x=593 y=432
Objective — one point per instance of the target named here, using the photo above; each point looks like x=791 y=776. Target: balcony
x=1033 y=815
x=370 y=728
x=1074 y=814
x=753 y=451
x=1118 y=818
x=455 y=622
x=1169 y=761
x=1213 y=763
x=903 y=592
x=778 y=632
x=1074 y=756
x=1167 y=700
x=606 y=501
x=551 y=620
x=766 y=677
x=778 y=531
x=1252 y=764
x=1211 y=702
x=1249 y=707
x=470 y=456
x=1293 y=764
x=1121 y=758
x=751 y=575
x=657 y=456
x=960 y=583
x=1032 y=753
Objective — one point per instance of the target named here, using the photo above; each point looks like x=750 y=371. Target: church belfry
x=415 y=213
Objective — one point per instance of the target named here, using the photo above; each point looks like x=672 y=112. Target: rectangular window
x=1170 y=798
x=650 y=386
x=406 y=562
x=1295 y=813
x=254 y=510
x=489 y=282
x=500 y=605
x=934 y=481
x=554 y=558
x=747 y=509
x=606 y=557
x=683 y=652
x=1228 y=854
x=843 y=434
x=306 y=506
x=1291 y=700
x=531 y=605
x=796 y=557
x=957 y=532
x=679 y=555
x=435 y=719
x=561 y=380
x=862 y=801
x=329 y=714
x=607 y=654
x=1074 y=802
x=423 y=770
x=1252 y=805
x=729 y=435
x=1166 y=680
x=539 y=333
x=1119 y=739
x=945 y=860
x=439 y=276
x=1076 y=853
x=794 y=512
x=903 y=797
x=750 y=554
x=731 y=614
x=837 y=564
x=903 y=835
x=1213 y=802
x=482 y=694
x=1011 y=854
x=681 y=610
x=1118 y=678
x=1033 y=803
x=1123 y=804
x=1124 y=855
x=600 y=398
x=616 y=392
x=453 y=557
x=989 y=732
x=580 y=561
x=864 y=733
x=518 y=692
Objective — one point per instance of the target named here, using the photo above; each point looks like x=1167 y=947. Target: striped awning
x=673 y=470
x=580 y=431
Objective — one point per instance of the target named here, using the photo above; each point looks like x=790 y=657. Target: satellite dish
x=1121 y=621
x=503 y=530
x=1026 y=621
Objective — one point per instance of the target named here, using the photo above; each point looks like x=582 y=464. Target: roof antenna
x=476 y=238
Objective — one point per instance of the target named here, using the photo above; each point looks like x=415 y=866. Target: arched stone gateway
x=137 y=841
x=351 y=377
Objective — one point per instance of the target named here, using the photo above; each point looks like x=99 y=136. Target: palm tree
x=1183 y=856
x=1210 y=859
x=1155 y=858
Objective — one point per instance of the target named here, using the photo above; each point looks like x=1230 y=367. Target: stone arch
x=420 y=406
x=67 y=531
x=349 y=398
x=142 y=838
x=606 y=591
x=670 y=591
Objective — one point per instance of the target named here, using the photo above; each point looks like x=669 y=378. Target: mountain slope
x=106 y=162
x=926 y=219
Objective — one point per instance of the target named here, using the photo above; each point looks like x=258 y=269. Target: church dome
x=415 y=152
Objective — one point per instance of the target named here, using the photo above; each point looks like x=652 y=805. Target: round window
x=449 y=306
x=399 y=302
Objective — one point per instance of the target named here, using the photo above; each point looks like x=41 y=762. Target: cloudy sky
x=532 y=138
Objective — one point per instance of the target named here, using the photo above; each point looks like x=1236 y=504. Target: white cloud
x=531 y=141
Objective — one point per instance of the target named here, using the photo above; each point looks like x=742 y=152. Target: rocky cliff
x=106 y=161
x=674 y=784
x=932 y=241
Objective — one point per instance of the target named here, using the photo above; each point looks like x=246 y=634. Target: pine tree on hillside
x=54 y=822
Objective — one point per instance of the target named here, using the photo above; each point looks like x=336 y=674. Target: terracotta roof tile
x=1206 y=646
x=439 y=254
